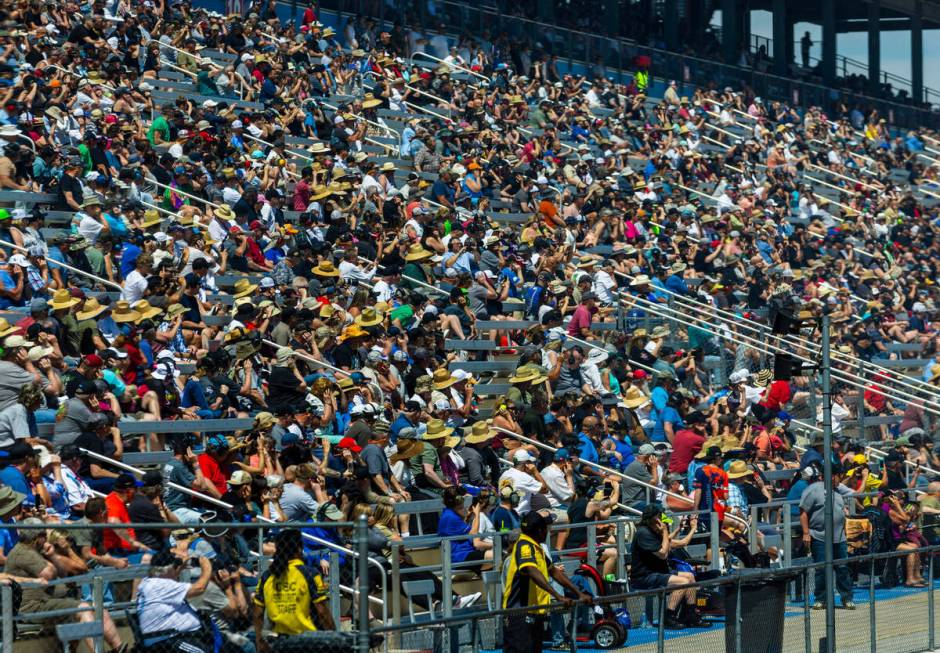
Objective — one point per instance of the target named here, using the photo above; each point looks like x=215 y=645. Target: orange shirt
x=117 y=510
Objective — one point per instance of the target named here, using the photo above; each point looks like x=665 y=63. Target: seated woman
x=908 y=537
x=454 y=522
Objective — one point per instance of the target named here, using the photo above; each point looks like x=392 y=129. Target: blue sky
x=895 y=47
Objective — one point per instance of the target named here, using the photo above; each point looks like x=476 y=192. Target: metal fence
x=748 y=611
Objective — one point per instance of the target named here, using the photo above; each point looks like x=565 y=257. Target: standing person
x=292 y=597
x=812 y=521
x=527 y=585
x=805 y=44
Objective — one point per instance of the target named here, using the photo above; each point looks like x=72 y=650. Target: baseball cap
x=349 y=443
x=93 y=360
x=240 y=477
x=562 y=454
x=522 y=456
x=647 y=450
x=152 y=478
x=126 y=481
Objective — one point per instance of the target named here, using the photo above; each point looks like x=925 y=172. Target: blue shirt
x=588 y=450
x=677 y=284
x=667 y=414
x=401 y=422
x=8 y=284
x=8 y=537
x=129 y=259
x=452 y=524
x=14 y=478
x=440 y=188
x=625 y=449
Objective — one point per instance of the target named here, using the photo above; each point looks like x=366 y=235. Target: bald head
x=933 y=487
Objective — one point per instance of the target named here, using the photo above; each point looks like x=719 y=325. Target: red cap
x=235 y=229
x=425 y=75
x=256 y=224
x=349 y=443
x=639 y=374
x=93 y=360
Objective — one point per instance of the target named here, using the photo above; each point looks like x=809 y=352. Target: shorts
x=132 y=557
x=49 y=604
x=650 y=582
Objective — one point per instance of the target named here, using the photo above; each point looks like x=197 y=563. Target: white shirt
x=89 y=228
x=383 y=291
x=162 y=606
x=349 y=270
x=524 y=484
x=604 y=285
x=559 y=491
x=77 y=491
x=135 y=285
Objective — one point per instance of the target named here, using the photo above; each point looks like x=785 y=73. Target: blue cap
x=562 y=454
x=358 y=377
x=289 y=438
x=784 y=416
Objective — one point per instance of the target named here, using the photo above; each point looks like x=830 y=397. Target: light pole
x=830 y=640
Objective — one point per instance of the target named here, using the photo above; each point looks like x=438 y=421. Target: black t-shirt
x=94 y=444
x=68 y=183
x=644 y=560
x=345 y=355
x=282 y=386
x=143 y=511
x=577 y=537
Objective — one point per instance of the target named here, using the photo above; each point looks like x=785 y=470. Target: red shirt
x=212 y=471
x=117 y=510
x=778 y=395
x=685 y=445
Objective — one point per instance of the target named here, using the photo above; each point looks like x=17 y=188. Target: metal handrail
x=450 y=65
x=388 y=130
x=66 y=266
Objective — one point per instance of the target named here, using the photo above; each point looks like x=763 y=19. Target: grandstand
x=406 y=294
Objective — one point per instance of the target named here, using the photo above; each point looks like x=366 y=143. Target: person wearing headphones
x=505 y=518
x=214 y=462
x=525 y=478
x=529 y=568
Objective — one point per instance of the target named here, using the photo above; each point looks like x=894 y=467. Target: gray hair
x=30 y=535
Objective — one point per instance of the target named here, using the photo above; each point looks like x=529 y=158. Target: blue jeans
x=843 y=578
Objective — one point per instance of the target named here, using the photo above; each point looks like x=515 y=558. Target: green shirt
x=159 y=125
x=204 y=84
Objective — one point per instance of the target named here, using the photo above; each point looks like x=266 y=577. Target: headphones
x=507 y=492
x=809 y=473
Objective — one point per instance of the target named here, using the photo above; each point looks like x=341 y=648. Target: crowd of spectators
x=211 y=268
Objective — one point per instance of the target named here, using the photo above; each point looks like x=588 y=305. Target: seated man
x=650 y=568
x=163 y=611
x=28 y=560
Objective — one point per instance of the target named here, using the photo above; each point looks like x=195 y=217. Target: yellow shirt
x=288 y=600
x=520 y=590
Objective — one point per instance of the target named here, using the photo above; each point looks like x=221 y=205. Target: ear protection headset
x=507 y=492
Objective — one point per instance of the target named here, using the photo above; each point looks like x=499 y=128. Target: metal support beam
x=874 y=46
x=783 y=38
x=730 y=30
x=671 y=24
x=829 y=41
x=917 y=53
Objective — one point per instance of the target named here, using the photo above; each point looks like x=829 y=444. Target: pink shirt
x=580 y=320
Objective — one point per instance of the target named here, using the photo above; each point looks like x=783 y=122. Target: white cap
x=441 y=404
x=918 y=307
x=248 y=57
x=522 y=456
x=209 y=104
x=237 y=124
x=337 y=119
x=160 y=237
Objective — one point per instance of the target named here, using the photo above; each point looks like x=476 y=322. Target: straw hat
x=6 y=328
x=62 y=299
x=243 y=288
x=9 y=500
x=92 y=309
x=224 y=212
x=527 y=374
x=123 y=312
x=480 y=432
x=417 y=253
x=437 y=429
x=634 y=398
x=173 y=310
x=738 y=469
x=369 y=317
x=640 y=280
x=326 y=269
x=319 y=148
x=443 y=378
x=151 y=219
x=408 y=447
x=352 y=331
x=708 y=444
x=146 y=310
x=369 y=101
x=320 y=192
x=763 y=378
